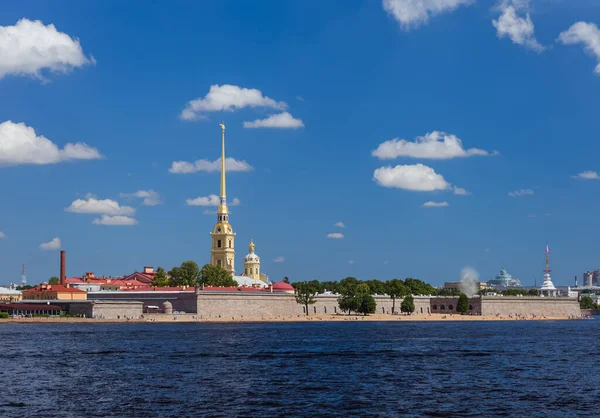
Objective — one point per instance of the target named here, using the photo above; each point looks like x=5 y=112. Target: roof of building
x=54 y=288
x=142 y=277
x=248 y=281
x=28 y=307
x=126 y=283
x=282 y=286
x=7 y=291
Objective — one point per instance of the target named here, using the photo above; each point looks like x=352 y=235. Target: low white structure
x=10 y=295
x=547 y=288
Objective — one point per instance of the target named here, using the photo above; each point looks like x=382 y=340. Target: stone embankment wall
x=106 y=309
x=541 y=307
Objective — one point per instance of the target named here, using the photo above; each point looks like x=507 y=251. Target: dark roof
x=28 y=307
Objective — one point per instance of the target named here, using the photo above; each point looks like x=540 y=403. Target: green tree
x=160 y=278
x=54 y=280
x=463 y=304
x=286 y=280
x=586 y=302
x=418 y=287
x=395 y=289
x=408 y=304
x=532 y=292
x=188 y=274
x=376 y=287
x=305 y=294
x=364 y=301
x=212 y=275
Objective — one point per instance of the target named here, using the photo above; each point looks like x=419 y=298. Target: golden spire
x=251 y=246
x=223 y=205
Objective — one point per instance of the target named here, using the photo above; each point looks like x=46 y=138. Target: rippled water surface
x=301 y=369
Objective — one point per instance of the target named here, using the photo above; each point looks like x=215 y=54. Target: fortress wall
x=216 y=305
x=548 y=307
x=107 y=309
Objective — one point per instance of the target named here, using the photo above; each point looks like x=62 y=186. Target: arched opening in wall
x=382 y=310
x=229 y=243
x=219 y=263
x=421 y=309
x=442 y=308
x=470 y=307
x=434 y=307
x=219 y=243
x=451 y=308
x=246 y=270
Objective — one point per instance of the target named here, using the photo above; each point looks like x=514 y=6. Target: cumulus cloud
x=350 y=261
x=519 y=29
x=587 y=175
x=413 y=13
x=210 y=200
x=431 y=204
x=340 y=224
x=228 y=98
x=19 y=144
x=459 y=191
x=30 y=46
x=416 y=177
x=116 y=220
x=521 y=193
x=99 y=207
x=335 y=235
x=279 y=259
x=2 y=235
x=586 y=34
x=434 y=145
x=231 y=164
x=151 y=198
x=282 y=120
x=53 y=244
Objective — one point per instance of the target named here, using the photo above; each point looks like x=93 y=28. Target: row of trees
x=587 y=302
x=189 y=274
x=357 y=296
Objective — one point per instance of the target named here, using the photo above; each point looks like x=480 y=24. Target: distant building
x=457 y=285
x=10 y=295
x=54 y=292
x=503 y=279
x=588 y=278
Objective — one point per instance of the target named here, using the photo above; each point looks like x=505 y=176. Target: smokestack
x=63 y=268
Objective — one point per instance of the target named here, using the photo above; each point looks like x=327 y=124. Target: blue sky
x=521 y=93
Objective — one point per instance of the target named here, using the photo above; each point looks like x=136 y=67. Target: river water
x=441 y=369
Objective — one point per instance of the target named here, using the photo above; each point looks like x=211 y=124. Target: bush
x=3 y=315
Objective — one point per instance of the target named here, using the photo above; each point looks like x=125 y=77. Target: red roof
x=161 y=289
x=142 y=277
x=283 y=286
x=55 y=288
x=127 y=283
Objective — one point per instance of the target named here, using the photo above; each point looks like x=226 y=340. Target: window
x=334 y=309
x=219 y=263
x=315 y=308
x=442 y=307
x=421 y=310
x=219 y=243
x=470 y=307
x=251 y=270
x=229 y=243
x=450 y=307
x=434 y=307
x=246 y=270
x=325 y=309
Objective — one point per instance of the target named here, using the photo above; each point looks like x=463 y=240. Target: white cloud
x=335 y=235
x=281 y=120
x=519 y=29
x=433 y=145
x=431 y=204
x=279 y=259
x=19 y=144
x=117 y=220
x=2 y=235
x=340 y=224
x=228 y=98
x=587 y=175
x=350 y=261
x=29 y=47
x=210 y=200
x=584 y=33
x=521 y=192
x=231 y=164
x=416 y=177
x=53 y=244
x=459 y=191
x=414 y=13
x=151 y=198
x=99 y=207
x=385 y=262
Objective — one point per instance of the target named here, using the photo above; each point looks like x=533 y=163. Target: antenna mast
x=23 y=276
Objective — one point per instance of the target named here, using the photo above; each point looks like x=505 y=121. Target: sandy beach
x=161 y=318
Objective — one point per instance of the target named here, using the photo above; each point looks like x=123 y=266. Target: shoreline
x=191 y=318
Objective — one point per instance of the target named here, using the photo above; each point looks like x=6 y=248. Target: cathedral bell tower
x=222 y=252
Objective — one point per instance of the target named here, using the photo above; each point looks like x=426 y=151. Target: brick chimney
x=63 y=268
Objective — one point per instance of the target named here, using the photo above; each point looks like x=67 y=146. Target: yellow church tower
x=222 y=252
x=252 y=263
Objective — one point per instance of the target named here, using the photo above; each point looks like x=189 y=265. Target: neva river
x=520 y=369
